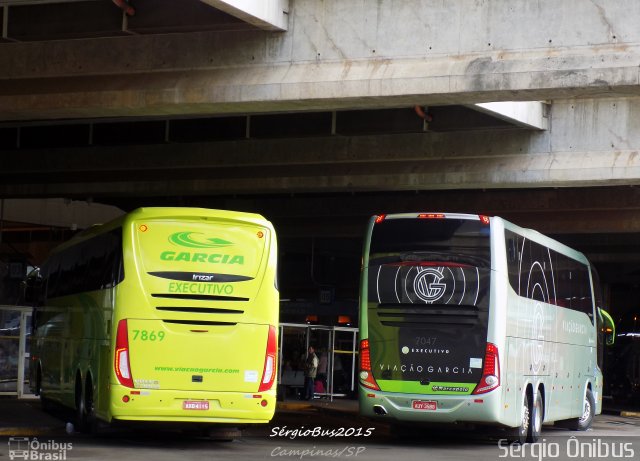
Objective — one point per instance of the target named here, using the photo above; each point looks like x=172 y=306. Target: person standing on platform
x=322 y=369
x=310 y=371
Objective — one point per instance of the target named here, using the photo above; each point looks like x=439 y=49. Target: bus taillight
x=121 y=365
x=380 y=218
x=491 y=372
x=484 y=219
x=366 y=377
x=431 y=216
x=269 y=373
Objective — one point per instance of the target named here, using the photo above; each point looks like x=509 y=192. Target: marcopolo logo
x=197 y=240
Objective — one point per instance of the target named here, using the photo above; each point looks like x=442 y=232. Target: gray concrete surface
x=337 y=54
x=592 y=142
x=291 y=436
x=582 y=57
x=25 y=417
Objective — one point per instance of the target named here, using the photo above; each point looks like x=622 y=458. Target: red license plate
x=424 y=405
x=195 y=405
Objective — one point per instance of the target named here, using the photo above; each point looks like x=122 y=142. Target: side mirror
x=608 y=328
x=32 y=287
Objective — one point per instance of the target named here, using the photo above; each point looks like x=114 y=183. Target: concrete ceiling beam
x=558 y=169
x=58 y=212
x=528 y=76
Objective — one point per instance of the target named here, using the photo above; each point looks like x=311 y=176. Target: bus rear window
x=452 y=239
x=430 y=261
x=206 y=247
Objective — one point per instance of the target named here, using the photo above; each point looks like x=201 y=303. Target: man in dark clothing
x=310 y=371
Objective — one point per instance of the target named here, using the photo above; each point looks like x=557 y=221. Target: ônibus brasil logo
x=200 y=241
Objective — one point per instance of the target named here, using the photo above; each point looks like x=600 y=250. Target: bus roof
x=545 y=240
x=162 y=212
x=430 y=214
x=531 y=234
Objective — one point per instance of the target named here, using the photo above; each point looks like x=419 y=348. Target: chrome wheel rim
x=586 y=412
x=525 y=418
x=538 y=421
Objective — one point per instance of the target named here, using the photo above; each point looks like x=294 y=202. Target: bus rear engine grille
x=199 y=310
x=407 y=319
x=198 y=297
x=199 y=322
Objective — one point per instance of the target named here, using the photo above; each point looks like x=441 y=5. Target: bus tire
x=520 y=434
x=45 y=403
x=583 y=422
x=81 y=423
x=89 y=407
x=536 y=418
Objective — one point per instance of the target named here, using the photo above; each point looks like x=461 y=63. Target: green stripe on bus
x=438 y=388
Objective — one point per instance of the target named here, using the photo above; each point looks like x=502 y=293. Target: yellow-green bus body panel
x=199 y=296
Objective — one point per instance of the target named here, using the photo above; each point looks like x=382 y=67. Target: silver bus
x=469 y=318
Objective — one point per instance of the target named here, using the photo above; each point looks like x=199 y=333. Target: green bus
x=164 y=314
x=472 y=319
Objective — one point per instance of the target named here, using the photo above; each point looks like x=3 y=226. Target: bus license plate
x=195 y=405
x=424 y=405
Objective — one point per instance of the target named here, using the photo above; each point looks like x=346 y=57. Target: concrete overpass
x=311 y=110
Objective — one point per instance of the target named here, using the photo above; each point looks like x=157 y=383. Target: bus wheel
x=82 y=424
x=521 y=433
x=45 y=403
x=89 y=407
x=588 y=412
x=537 y=414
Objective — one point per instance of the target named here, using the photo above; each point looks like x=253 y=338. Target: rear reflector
x=121 y=361
x=269 y=373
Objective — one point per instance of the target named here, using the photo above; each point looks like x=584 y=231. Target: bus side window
x=512 y=251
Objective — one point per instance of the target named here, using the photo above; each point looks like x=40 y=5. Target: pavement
x=346 y=406
x=628 y=410
x=26 y=418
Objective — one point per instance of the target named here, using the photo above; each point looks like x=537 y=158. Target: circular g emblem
x=427 y=284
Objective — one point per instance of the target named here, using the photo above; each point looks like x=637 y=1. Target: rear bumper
x=167 y=406
x=483 y=409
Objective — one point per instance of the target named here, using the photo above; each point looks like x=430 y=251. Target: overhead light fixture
x=344 y=320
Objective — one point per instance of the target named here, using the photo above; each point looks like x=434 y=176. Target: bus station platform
x=26 y=418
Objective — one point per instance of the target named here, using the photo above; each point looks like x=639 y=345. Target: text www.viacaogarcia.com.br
x=199 y=370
